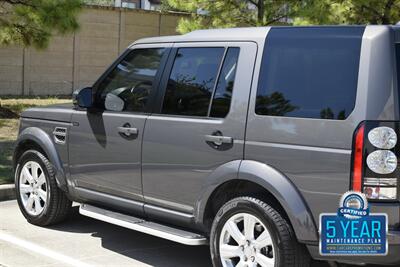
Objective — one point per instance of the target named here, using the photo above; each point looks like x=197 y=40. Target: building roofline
x=138 y=10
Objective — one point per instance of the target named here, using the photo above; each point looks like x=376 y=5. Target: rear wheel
x=39 y=198
x=249 y=232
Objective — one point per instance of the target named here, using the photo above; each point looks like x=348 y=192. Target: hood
x=58 y=112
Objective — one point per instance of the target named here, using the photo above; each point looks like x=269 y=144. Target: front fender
x=286 y=193
x=42 y=139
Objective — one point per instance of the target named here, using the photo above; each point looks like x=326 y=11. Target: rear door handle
x=128 y=131
x=219 y=139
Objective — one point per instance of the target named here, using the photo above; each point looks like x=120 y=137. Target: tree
x=327 y=113
x=32 y=22
x=236 y=13
x=348 y=12
x=232 y=13
x=274 y=104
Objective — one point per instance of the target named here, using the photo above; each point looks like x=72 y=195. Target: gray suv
x=236 y=138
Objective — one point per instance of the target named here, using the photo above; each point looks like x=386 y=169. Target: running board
x=137 y=224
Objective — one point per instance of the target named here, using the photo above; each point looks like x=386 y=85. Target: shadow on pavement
x=148 y=249
x=141 y=247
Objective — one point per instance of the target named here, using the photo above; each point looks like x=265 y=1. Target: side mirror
x=83 y=98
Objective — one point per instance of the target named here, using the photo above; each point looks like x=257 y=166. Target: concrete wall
x=74 y=61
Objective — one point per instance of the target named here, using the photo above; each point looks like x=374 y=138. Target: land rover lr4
x=236 y=138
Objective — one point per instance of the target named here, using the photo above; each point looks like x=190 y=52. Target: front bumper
x=392 y=258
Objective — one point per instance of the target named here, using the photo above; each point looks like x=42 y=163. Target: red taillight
x=375 y=156
x=358 y=159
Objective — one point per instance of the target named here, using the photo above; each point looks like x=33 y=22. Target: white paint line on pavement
x=31 y=247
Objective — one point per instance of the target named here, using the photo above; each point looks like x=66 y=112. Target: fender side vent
x=60 y=135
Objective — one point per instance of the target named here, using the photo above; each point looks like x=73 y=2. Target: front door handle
x=218 y=140
x=127 y=130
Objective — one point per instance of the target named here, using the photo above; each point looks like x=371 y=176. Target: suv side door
x=199 y=125
x=105 y=142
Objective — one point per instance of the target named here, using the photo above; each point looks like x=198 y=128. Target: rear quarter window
x=309 y=72
x=397 y=47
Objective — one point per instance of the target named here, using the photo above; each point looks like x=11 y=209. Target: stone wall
x=74 y=61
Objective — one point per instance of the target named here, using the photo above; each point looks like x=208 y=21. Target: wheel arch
x=36 y=138
x=265 y=182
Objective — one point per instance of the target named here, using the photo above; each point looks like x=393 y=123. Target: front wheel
x=249 y=232
x=39 y=198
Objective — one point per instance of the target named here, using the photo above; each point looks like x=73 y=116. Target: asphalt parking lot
x=82 y=241
x=85 y=242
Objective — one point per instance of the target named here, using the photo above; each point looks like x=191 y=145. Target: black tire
x=288 y=251
x=57 y=205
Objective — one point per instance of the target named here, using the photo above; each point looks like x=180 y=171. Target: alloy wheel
x=245 y=241
x=33 y=188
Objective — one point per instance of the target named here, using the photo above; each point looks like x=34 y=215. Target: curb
x=7 y=192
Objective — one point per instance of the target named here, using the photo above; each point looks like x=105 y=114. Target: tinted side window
x=223 y=93
x=192 y=81
x=131 y=81
x=398 y=67
x=309 y=72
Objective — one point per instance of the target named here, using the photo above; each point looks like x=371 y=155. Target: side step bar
x=151 y=228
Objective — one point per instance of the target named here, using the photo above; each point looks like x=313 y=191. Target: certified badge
x=353 y=230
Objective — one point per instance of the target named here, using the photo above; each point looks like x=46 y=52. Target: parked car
x=236 y=138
